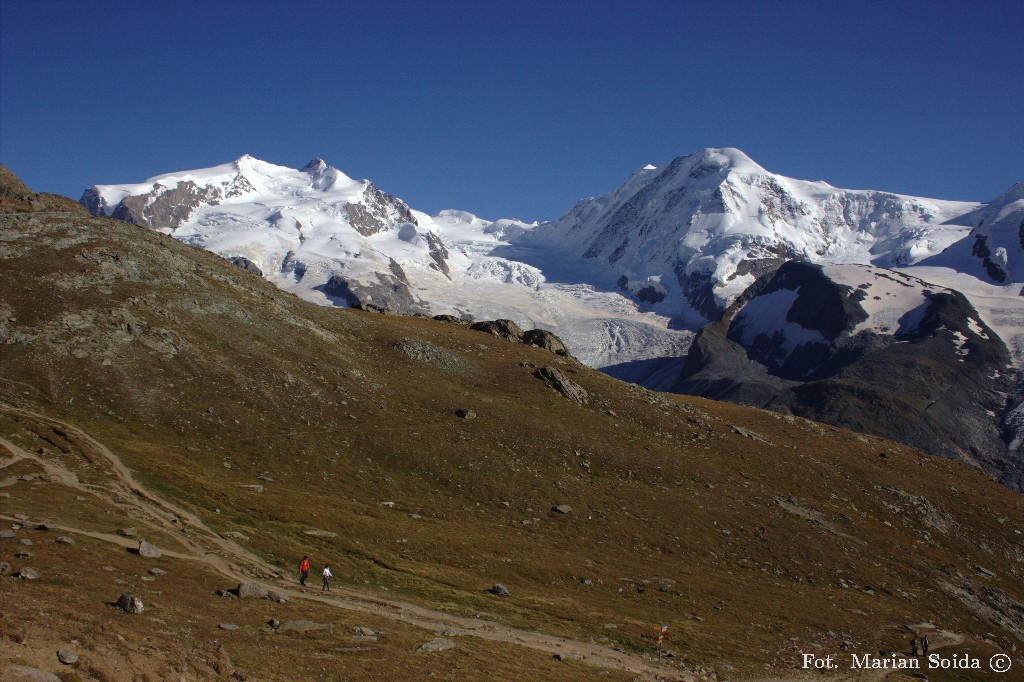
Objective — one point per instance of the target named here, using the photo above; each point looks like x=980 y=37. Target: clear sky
x=515 y=109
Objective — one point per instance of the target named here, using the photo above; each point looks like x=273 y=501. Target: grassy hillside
x=248 y=417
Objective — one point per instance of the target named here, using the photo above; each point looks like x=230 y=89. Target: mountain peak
x=315 y=166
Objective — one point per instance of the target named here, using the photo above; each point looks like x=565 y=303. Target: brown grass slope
x=752 y=536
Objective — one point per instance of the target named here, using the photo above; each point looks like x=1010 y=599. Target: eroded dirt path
x=201 y=544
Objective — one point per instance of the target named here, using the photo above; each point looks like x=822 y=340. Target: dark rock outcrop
x=934 y=384
x=389 y=292
x=542 y=338
x=503 y=329
x=246 y=264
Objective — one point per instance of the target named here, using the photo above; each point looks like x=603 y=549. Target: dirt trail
x=236 y=562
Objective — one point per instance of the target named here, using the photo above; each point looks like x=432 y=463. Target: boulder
x=149 y=551
x=561 y=508
x=67 y=656
x=451 y=319
x=500 y=590
x=465 y=413
x=28 y=574
x=542 y=338
x=5 y=534
x=129 y=603
x=567 y=388
x=64 y=540
x=503 y=329
x=252 y=591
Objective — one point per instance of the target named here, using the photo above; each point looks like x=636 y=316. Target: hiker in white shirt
x=327 y=578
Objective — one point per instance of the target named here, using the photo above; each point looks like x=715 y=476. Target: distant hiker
x=327 y=578
x=303 y=570
x=913 y=646
x=924 y=645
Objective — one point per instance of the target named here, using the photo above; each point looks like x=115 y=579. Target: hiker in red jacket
x=303 y=570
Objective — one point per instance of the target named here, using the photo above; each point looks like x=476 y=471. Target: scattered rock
x=28 y=574
x=226 y=594
x=21 y=517
x=127 y=532
x=67 y=656
x=561 y=508
x=274 y=623
x=7 y=534
x=235 y=535
x=252 y=591
x=252 y=487
x=27 y=478
x=149 y=551
x=25 y=541
x=389 y=504
x=157 y=571
x=23 y=555
x=45 y=526
x=64 y=540
x=129 y=603
x=5 y=568
x=436 y=644
x=464 y=413
x=228 y=626
x=500 y=590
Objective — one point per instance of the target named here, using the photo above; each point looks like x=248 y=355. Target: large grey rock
x=129 y=603
x=28 y=573
x=67 y=656
x=6 y=534
x=149 y=551
x=500 y=590
x=252 y=591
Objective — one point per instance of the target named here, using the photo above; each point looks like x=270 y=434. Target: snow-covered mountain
x=994 y=248
x=625 y=278
x=338 y=241
x=698 y=231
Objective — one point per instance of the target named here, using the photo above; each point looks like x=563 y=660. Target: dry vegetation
x=754 y=537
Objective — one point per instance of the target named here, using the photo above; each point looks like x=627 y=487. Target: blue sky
x=515 y=109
